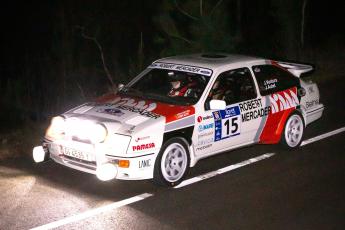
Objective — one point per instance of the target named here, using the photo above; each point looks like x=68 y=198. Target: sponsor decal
x=256 y=114
x=143 y=147
x=129 y=104
x=183 y=114
x=283 y=100
x=312 y=103
x=145 y=163
x=205 y=127
x=270 y=84
x=142 y=112
x=253 y=109
x=230 y=112
x=249 y=105
x=141 y=138
x=205 y=118
x=199 y=119
x=205 y=141
x=216 y=115
x=184 y=68
x=203 y=147
x=111 y=111
x=227 y=123
x=205 y=134
x=205 y=72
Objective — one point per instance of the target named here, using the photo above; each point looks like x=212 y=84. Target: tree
x=195 y=26
x=101 y=53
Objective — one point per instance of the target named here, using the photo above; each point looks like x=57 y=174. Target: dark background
x=48 y=66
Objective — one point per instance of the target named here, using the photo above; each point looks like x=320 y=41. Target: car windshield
x=169 y=86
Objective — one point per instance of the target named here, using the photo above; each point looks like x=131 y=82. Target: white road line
x=322 y=136
x=93 y=212
x=223 y=170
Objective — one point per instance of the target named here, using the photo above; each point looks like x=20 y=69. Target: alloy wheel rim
x=294 y=131
x=174 y=162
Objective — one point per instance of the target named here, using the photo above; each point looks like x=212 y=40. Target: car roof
x=212 y=61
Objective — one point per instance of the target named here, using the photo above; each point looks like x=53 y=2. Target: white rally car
x=182 y=109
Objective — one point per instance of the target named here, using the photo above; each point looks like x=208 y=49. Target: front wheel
x=172 y=163
x=293 y=131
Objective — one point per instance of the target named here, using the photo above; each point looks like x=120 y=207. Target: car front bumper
x=92 y=159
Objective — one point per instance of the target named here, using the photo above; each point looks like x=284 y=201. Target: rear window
x=272 y=79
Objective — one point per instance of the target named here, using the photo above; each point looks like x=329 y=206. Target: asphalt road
x=300 y=189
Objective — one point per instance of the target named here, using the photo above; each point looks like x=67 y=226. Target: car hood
x=123 y=113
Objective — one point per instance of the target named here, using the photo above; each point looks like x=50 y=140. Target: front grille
x=80 y=163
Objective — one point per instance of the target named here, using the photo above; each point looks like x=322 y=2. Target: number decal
x=234 y=124
x=227 y=123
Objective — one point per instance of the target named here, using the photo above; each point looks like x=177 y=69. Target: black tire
x=173 y=158
x=292 y=135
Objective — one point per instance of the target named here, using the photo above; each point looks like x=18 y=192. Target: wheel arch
x=285 y=118
x=186 y=134
x=298 y=112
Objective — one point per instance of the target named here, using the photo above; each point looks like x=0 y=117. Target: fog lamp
x=106 y=172
x=38 y=154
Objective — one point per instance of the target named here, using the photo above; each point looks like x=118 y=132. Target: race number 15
x=231 y=127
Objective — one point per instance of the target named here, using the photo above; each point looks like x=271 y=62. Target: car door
x=218 y=130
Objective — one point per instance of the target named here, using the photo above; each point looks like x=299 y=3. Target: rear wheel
x=172 y=162
x=293 y=131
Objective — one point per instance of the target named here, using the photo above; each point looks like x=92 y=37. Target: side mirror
x=217 y=104
x=120 y=86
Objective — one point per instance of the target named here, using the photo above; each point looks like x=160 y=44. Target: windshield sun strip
x=182 y=68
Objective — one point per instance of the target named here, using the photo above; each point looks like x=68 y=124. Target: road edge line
x=322 y=136
x=93 y=212
x=223 y=170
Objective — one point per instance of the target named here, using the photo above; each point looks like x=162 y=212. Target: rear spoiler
x=296 y=69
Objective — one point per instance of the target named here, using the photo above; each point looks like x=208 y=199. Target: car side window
x=233 y=86
x=272 y=79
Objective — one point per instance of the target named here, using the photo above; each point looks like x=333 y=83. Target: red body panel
x=170 y=112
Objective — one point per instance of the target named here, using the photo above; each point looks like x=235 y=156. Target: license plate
x=78 y=154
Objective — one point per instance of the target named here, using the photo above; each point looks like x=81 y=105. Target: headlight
x=56 y=130
x=98 y=133
x=86 y=130
x=117 y=144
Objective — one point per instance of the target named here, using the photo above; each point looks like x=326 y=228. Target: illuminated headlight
x=56 y=130
x=106 y=172
x=86 y=130
x=98 y=133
